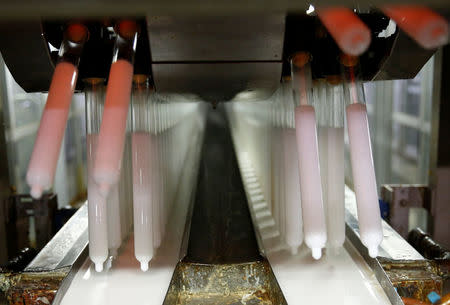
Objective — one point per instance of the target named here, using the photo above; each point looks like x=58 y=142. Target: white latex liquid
x=112 y=131
x=157 y=181
x=42 y=166
x=126 y=189
x=114 y=221
x=142 y=199
x=314 y=227
x=97 y=212
x=294 y=224
x=364 y=178
x=322 y=139
x=276 y=157
x=109 y=156
x=164 y=183
x=331 y=147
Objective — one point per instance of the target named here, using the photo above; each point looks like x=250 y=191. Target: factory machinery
x=215 y=150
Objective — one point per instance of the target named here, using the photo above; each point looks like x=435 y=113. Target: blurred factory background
x=403 y=118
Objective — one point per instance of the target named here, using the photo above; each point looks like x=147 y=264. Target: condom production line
x=215 y=139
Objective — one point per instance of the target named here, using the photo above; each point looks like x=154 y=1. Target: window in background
x=399 y=118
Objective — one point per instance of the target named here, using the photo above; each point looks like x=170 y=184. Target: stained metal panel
x=217 y=81
x=215 y=38
x=405 y=60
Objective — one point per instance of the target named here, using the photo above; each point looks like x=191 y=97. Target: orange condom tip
x=140 y=78
x=300 y=59
x=333 y=79
x=93 y=81
x=349 y=60
x=76 y=32
x=127 y=28
x=286 y=78
x=348 y=31
x=426 y=27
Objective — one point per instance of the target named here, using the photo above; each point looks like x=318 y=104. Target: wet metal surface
x=223 y=264
x=414 y=279
x=36 y=288
x=233 y=284
x=221 y=227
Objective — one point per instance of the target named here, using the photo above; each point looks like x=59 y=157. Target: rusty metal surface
x=222 y=263
x=51 y=268
x=31 y=288
x=248 y=283
x=432 y=250
x=415 y=279
x=444 y=268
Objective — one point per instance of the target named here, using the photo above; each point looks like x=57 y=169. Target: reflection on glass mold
x=155 y=147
